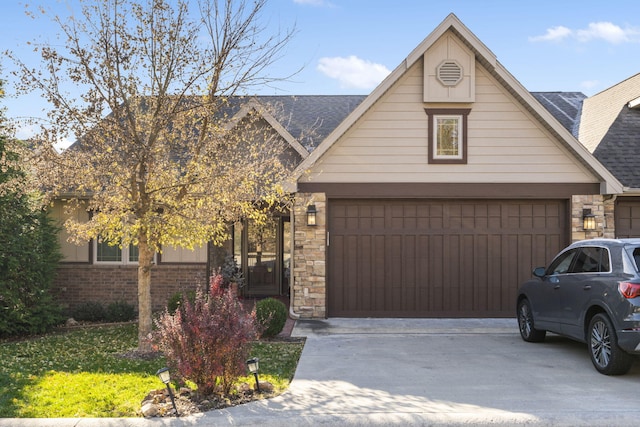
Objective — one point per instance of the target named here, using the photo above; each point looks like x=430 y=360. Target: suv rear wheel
x=605 y=354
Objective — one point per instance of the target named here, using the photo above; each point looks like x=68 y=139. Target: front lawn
x=82 y=373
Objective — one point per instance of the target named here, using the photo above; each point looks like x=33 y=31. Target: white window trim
x=460 y=114
x=460 y=130
x=123 y=261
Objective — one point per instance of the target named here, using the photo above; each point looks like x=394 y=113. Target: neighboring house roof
x=619 y=150
x=564 y=106
x=609 y=184
x=302 y=120
x=307 y=118
x=610 y=129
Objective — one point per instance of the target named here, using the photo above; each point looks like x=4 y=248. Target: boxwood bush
x=90 y=311
x=120 y=311
x=271 y=315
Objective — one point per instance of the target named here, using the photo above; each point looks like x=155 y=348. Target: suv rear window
x=636 y=258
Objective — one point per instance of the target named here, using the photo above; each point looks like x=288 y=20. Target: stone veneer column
x=309 y=257
x=602 y=207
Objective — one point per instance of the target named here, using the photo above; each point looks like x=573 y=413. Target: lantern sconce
x=588 y=220
x=311 y=215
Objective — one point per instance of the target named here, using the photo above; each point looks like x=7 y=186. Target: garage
x=628 y=217
x=436 y=257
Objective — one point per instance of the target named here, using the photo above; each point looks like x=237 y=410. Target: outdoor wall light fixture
x=311 y=215
x=165 y=377
x=588 y=220
x=253 y=366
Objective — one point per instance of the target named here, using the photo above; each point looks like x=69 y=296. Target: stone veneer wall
x=603 y=207
x=78 y=283
x=309 y=257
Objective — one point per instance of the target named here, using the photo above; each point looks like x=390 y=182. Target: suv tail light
x=629 y=290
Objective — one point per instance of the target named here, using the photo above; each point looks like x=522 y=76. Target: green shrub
x=271 y=315
x=90 y=311
x=120 y=311
x=29 y=252
x=177 y=300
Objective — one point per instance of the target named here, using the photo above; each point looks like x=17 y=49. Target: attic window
x=447 y=138
x=449 y=73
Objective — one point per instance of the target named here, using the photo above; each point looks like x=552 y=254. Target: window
x=592 y=260
x=636 y=258
x=106 y=254
x=587 y=260
x=561 y=264
x=447 y=135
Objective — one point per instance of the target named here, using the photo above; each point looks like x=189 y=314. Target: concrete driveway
x=428 y=372
x=446 y=372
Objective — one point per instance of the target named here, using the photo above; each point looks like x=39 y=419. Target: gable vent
x=449 y=73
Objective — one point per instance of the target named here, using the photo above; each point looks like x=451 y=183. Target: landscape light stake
x=253 y=365
x=165 y=377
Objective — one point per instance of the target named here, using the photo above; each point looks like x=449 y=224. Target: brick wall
x=78 y=283
x=309 y=265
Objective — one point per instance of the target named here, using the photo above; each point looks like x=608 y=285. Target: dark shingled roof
x=619 y=150
x=564 y=106
x=308 y=118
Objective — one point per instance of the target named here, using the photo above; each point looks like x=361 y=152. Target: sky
x=348 y=47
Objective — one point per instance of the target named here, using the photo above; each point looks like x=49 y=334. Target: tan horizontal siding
x=70 y=251
x=505 y=144
x=178 y=255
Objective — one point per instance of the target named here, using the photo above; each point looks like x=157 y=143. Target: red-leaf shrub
x=208 y=341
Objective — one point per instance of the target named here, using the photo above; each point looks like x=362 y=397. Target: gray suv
x=590 y=293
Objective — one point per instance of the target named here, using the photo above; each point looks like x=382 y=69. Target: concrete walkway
x=361 y=372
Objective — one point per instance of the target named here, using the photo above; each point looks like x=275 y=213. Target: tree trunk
x=145 y=261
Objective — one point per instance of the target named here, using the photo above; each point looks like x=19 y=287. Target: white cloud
x=62 y=144
x=553 y=34
x=606 y=31
x=25 y=132
x=589 y=84
x=353 y=72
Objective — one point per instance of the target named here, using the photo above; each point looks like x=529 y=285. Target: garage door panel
x=337 y=271
x=627 y=217
x=432 y=279
x=494 y=260
x=430 y=258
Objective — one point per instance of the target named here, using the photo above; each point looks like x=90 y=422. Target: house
x=433 y=196
x=97 y=272
x=610 y=129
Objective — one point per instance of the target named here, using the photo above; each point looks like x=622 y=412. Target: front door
x=264 y=251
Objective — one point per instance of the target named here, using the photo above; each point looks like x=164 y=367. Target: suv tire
x=606 y=356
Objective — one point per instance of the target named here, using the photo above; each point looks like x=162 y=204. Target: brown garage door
x=437 y=258
x=628 y=217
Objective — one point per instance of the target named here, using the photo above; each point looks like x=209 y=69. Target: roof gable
x=488 y=60
x=254 y=105
x=610 y=128
x=302 y=120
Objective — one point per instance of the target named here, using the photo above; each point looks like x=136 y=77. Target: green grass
x=79 y=373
